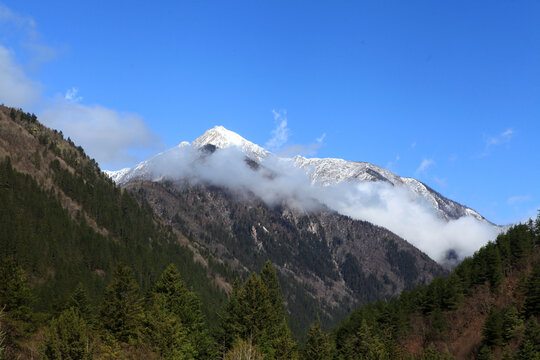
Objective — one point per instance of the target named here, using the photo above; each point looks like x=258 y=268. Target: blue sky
x=446 y=92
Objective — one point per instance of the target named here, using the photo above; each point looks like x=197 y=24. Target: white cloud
x=321 y=138
x=16 y=89
x=424 y=165
x=413 y=145
x=280 y=134
x=491 y=141
x=440 y=181
x=278 y=181
x=112 y=138
x=298 y=149
x=71 y=95
x=24 y=30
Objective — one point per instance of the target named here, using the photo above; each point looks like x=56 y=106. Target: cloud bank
x=278 y=181
x=110 y=137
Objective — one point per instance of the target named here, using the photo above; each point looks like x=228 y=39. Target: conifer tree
x=485 y=353
x=511 y=321
x=67 y=338
x=15 y=294
x=318 y=344
x=171 y=295
x=256 y=311
x=493 y=328
x=166 y=333
x=532 y=301
x=364 y=345
x=80 y=301
x=121 y=311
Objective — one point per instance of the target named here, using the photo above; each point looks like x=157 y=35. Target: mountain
x=68 y=223
x=246 y=205
x=443 y=228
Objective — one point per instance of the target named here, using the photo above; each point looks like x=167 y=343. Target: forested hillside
x=64 y=224
x=487 y=308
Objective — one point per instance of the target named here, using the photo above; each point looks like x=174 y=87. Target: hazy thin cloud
x=280 y=134
x=72 y=95
x=513 y=200
x=321 y=138
x=391 y=164
x=441 y=182
x=491 y=141
x=424 y=165
x=16 y=89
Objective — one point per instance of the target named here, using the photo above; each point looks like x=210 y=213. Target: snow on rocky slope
x=326 y=172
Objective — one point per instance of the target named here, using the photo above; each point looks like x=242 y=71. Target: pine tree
x=67 y=338
x=15 y=294
x=532 y=301
x=121 y=311
x=493 y=327
x=166 y=333
x=484 y=353
x=80 y=301
x=256 y=311
x=494 y=266
x=318 y=344
x=179 y=302
x=364 y=345
x=511 y=322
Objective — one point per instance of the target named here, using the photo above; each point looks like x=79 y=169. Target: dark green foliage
x=67 y=338
x=80 y=301
x=364 y=345
x=15 y=295
x=255 y=311
x=485 y=353
x=529 y=349
x=532 y=301
x=121 y=311
x=57 y=253
x=166 y=333
x=318 y=344
x=493 y=328
x=511 y=322
x=170 y=298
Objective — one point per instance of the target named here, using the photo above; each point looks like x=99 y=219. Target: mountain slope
x=487 y=308
x=444 y=229
x=65 y=222
x=327 y=262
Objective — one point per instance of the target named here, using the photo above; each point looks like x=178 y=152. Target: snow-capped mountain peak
x=221 y=138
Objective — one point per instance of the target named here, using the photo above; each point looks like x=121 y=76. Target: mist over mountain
x=442 y=228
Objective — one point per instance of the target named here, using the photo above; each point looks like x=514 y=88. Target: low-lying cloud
x=278 y=180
